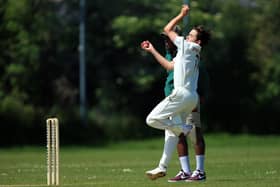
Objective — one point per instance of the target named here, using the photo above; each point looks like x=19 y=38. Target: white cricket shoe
x=156 y=173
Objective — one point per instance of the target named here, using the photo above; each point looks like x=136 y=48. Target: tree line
x=39 y=67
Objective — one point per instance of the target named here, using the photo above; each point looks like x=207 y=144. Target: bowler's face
x=192 y=36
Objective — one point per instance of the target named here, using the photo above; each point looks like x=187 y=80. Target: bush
x=17 y=121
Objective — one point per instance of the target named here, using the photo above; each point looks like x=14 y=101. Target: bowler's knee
x=150 y=121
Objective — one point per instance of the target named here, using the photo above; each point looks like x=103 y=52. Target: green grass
x=232 y=161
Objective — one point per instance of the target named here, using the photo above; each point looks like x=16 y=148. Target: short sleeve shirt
x=186 y=64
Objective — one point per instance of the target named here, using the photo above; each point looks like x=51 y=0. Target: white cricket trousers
x=171 y=140
x=172 y=111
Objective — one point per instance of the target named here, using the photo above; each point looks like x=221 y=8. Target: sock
x=200 y=162
x=185 y=164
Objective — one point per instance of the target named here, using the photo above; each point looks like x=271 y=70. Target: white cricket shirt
x=186 y=64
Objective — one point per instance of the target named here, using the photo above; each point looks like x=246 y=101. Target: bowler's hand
x=147 y=46
x=185 y=10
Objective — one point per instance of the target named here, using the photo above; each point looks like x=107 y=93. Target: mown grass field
x=232 y=161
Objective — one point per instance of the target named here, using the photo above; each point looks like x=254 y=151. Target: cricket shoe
x=181 y=176
x=156 y=173
x=197 y=175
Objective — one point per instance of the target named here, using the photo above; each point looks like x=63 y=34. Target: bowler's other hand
x=147 y=46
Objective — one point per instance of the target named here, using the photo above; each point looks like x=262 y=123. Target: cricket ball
x=145 y=44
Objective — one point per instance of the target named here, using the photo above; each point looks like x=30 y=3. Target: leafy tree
x=39 y=64
x=264 y=53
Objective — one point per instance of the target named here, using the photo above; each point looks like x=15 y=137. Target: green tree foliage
x=39 y=65
x=265 y=50
x=264 y=53
x=229 y=68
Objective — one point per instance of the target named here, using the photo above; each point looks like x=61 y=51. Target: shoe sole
x=201 y=180
x=155 y=176
x=176 y=181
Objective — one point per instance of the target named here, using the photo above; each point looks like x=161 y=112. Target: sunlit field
x=231 y=161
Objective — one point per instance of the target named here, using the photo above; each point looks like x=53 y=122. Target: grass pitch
x=231 y=161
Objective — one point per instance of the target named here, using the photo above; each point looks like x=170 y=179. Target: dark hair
x=202 y=34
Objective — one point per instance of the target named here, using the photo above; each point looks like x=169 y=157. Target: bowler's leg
x=169 y=145
x=159 y=117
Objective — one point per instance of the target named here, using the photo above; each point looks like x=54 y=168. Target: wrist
x=179 y=17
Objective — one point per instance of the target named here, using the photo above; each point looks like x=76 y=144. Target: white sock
x=185 y=164
x=200 y=162
x=169 y=146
